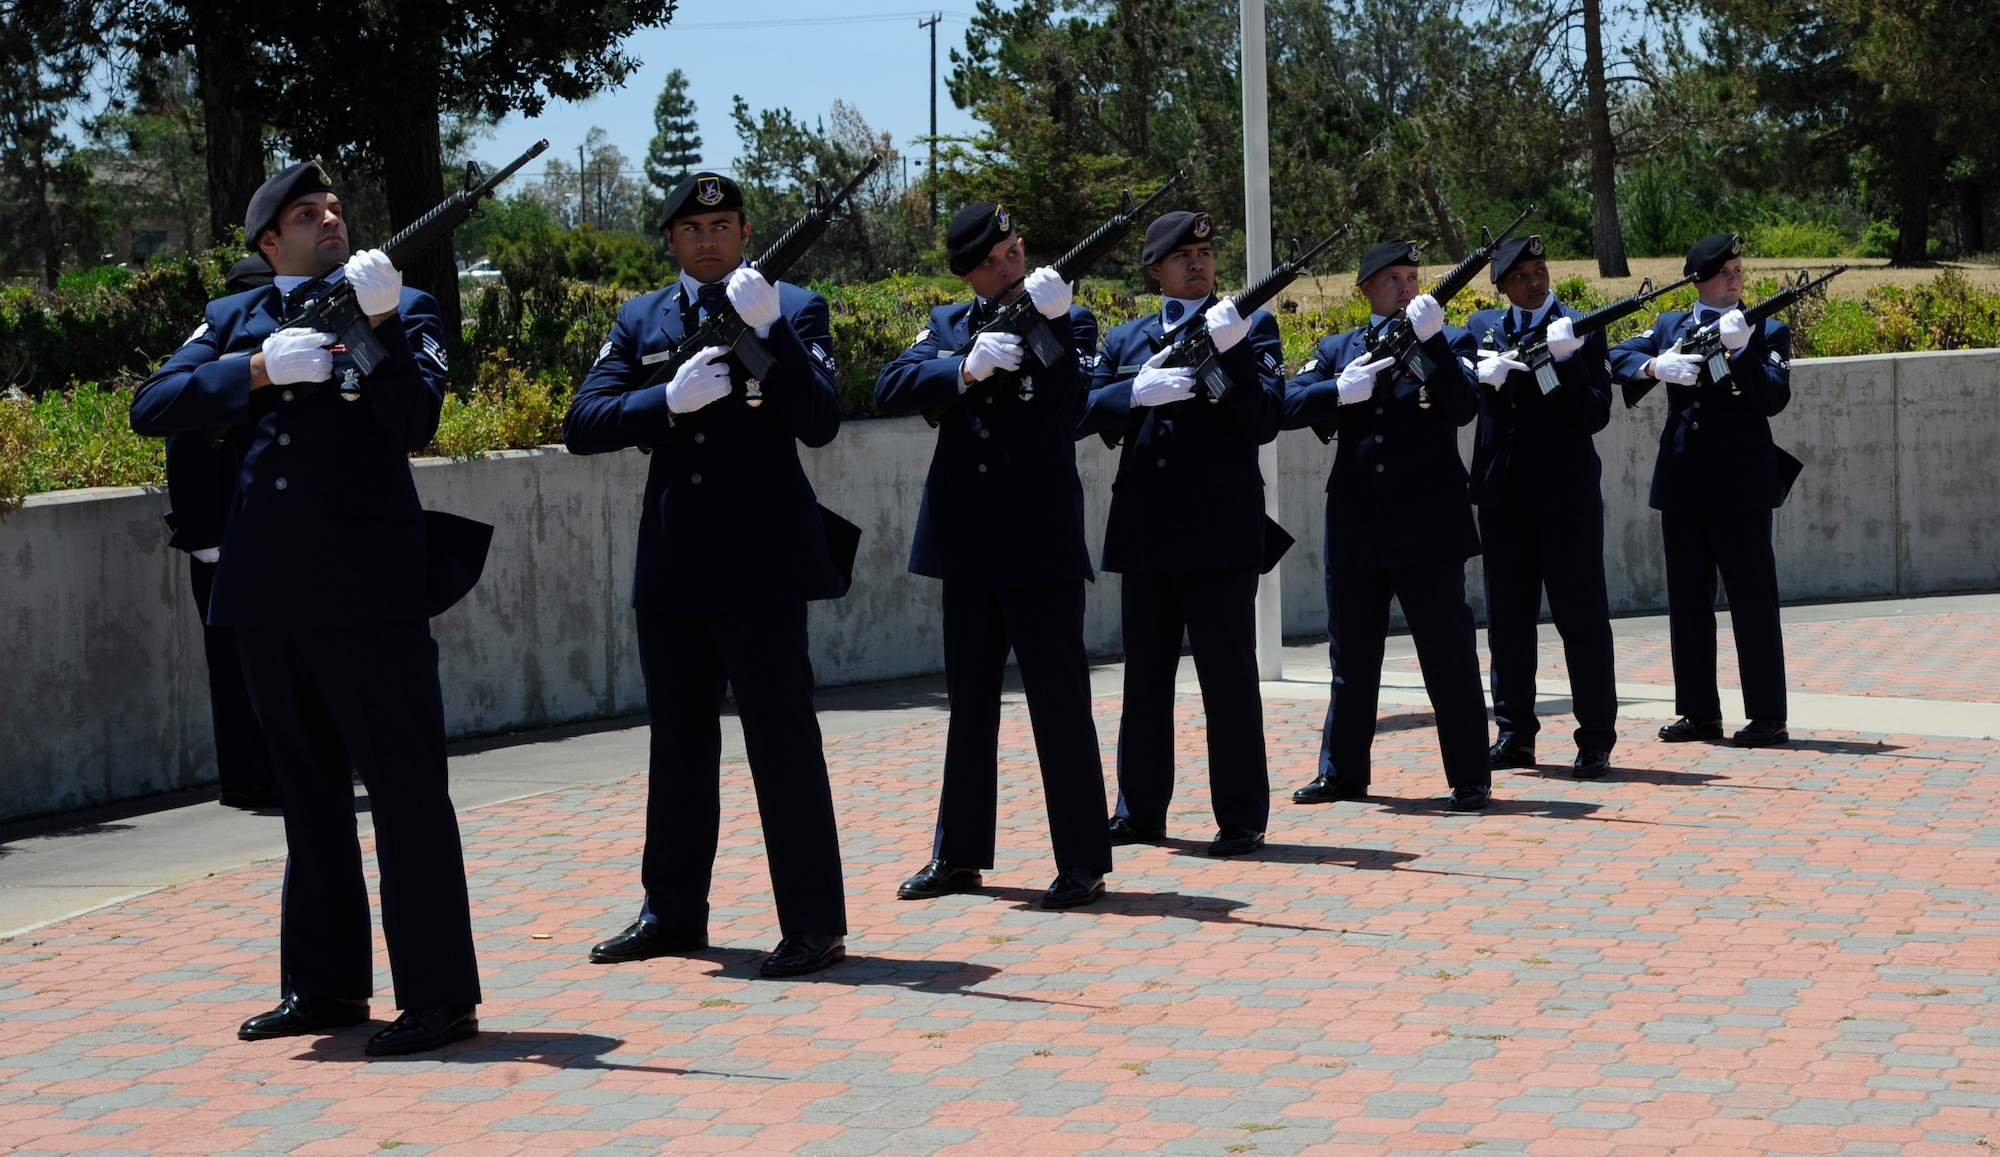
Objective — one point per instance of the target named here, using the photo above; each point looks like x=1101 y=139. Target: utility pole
x=932 y=24
x=582 y=190
x=1257 y=262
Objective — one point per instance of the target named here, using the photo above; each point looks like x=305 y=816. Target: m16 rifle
x=1399 y=340
x=750 y=360
x=1020 y=317
x=335 y=311
x=1542 y=363
x=1193 y=346
x=1706 y=342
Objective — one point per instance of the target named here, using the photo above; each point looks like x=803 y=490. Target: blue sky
x=869 y=53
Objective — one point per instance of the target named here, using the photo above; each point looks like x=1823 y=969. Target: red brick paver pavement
x=1713 y=951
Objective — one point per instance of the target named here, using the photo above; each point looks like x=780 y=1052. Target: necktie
x=711 y=298
x=1174 y=311
x=1704 y=316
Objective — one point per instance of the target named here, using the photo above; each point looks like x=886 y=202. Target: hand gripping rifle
x=1542 y=363
x=750 y=359
x=1020 y=317
x=1399 y=339
x=1193 y=346
x=335 y=310
x=1706 y=342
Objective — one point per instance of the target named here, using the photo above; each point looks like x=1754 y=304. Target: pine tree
x=677 y=147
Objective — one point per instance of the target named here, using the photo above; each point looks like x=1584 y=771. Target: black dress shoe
x=643 y=941
x=300 y=1015
x=1124 y=831
x=1327 y=789
x=1685 y=730
x=1591 y=762
x=1235 y=842
x=939 y=879
x=1764 y=733
x=1469 y=799
x=1074 y=887
x=806 y=952
x=422 y=1029
x=250 y=801
x=1513 y=753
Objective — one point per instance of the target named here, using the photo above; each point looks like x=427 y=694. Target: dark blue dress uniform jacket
x=327 y=530
x=1189 y=494
x=1716 y=454
x=729 y=520
x=1391 y=509
x=1534 y=450
x=1002 y=506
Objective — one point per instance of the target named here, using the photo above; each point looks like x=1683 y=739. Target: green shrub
x=18 y=436
x=83 y=437
x=508 y=408
x=1800 y=239
x=106 y=322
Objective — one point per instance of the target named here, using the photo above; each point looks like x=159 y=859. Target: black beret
x=1707 y=256
x=973 y=233
x=250 y=273
x=271 y=197
x=701 y=193
x=1513 y=251
x=1170 y=231
x=1382 y=256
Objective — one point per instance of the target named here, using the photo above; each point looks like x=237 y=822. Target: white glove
x=1426 y=316
x=1158 y=385
x=1226 y=327
x=1735 y=330
x=1049 y=293
x=702 y=379
x=297 y=355
x=1495 y=366
x=990 y=352
x=1676 y=367
x=1562 y=339
x=1357 y=382
x=754 y=299
x=378 y=285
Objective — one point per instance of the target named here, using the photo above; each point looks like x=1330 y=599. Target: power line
x=869 y=18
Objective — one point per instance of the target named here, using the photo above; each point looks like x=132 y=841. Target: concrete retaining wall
x=103 y=692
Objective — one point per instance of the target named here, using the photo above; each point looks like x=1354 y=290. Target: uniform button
x=701 y=437
x=1378 y=438
x=288 y=395
x=1378 y=409
x=1378 y=467
x=982 y=467
x=1161 y=462
x=282 y=484
x=696 y=479
x=284 y=439
x=986 y=433
x=1694 y=425
x=989 y=399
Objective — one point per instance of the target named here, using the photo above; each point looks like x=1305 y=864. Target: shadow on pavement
x=1367 y=859
x=556 y=1050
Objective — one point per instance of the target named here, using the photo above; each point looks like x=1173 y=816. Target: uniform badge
x=1270 y=361
x=1535 y=246
x=708 y=190
x=323 y=178
x=1607 y=365
x=603 y=351
x=435 y=351
x=923 y=335
x=1202 y=227
x=1415 y=252
x=1648 y=333
x=1778 y=359
x=1311 y=365
x=198 y=331
x=1735 y=244
x=1001 y=219
x=824 y=355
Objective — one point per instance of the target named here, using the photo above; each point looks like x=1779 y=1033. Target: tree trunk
x=45 y=217
x=1447 y=232
x=405 y=135
x=1972 y=207
x=1603 y=149
x=231 y=129
x=1913 y=184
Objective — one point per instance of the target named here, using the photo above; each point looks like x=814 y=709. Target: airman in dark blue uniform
x=323 y=578
x=1715 y=483
x=1398 y=525
x=732 y=546
x=1541 y=516
x=1002 y=525
x=1187 y=537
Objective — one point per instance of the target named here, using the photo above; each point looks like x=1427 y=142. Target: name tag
x=656 y=359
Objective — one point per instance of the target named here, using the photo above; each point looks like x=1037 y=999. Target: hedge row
x=526 y=345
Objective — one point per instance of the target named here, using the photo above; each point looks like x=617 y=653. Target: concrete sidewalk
x=1713 y=950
